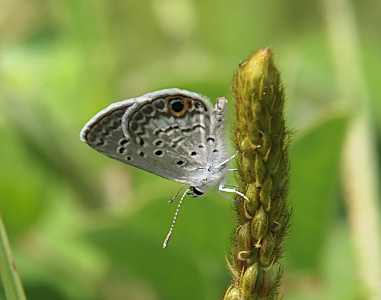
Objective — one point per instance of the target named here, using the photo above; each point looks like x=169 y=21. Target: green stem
x=9 y=275
x=262 y=139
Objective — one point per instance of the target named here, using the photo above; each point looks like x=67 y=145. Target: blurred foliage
x=85 y=227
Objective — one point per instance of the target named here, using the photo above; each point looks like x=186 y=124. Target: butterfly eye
x=177 y=106
x=196 y=192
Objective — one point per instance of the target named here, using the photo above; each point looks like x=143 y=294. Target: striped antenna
x=174 y=197
x=174 y=219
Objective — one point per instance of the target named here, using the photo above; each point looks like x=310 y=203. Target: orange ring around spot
x=183 y=111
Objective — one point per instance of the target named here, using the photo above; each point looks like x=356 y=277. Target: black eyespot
x=121 y=150
x=193 y=153
x=158 y=152
x=215 y=150
x=142 y=143
x=141 y=153
x=201 y=146
x=158 y=143
x=210 y=139
x=180 y=163
x=128 y=158
x=122 y=142
x=177 y=105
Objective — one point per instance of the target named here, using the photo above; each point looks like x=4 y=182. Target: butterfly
x=172 y=133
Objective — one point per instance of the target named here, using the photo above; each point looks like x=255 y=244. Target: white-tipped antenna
x=174 y=218
x=174 y=197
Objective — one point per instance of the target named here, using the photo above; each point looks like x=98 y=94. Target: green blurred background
x=85 y=227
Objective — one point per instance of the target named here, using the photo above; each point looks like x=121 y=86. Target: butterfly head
x=196 y=191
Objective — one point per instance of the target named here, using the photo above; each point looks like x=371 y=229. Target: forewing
x=104 y=131
x=150 y=134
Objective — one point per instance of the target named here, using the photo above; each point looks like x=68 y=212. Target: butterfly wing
x=104 y=131
x=166 y=133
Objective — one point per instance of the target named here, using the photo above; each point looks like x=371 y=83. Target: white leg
x=226 y=161
x=222 y=188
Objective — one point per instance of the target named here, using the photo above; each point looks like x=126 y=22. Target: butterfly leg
x=222 y=188
x=226 y=161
